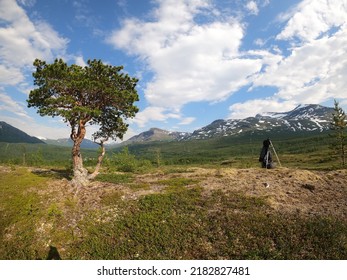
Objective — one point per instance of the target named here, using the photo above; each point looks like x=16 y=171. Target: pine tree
x=97 y=94
x=338 y=126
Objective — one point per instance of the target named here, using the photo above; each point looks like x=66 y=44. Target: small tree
x=338 y=126
x=97 y=94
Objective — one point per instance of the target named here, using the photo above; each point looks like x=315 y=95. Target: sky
x=196 y=61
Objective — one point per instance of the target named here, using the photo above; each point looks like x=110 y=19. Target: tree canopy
x=339 y=126
x=97 y=93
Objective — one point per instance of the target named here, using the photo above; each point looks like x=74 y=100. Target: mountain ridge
x=11 y=134
x=308 y=118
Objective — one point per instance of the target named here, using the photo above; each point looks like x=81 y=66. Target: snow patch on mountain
x=308 y=118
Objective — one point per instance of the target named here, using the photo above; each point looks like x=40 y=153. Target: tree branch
x=100 y=158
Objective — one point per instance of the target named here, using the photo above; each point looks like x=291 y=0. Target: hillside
x=10 y=134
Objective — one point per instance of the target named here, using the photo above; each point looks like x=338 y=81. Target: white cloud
x=10 y=75
x=265 y=3
x=252 y=107
x=190 y=62
x=79 y=60
x=28 y=3
x=252 y=7
x=159 y=114
x=187 y=121
x=312 y=18
x=130 y=133
x=200 y=66
x=13 y=107
x=84 y=15
x=21 y=41
x=153 y=113
x=315 y=70
x=259 y=42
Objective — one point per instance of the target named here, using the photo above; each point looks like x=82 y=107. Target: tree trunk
x=80 y=174
x=100 y=159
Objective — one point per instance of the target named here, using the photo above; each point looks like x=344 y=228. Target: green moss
x=139 y=186
x=178 y=182
x=116 y=178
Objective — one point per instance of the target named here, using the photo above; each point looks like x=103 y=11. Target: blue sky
x=197 y=60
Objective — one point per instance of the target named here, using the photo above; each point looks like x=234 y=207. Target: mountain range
x=310 y=118
x=306 y=119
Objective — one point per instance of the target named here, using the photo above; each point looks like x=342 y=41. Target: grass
x=181 y=222
x=20 y=211
x=116 y=178
x=32 y=221
x=185 y=224
x=178 y=182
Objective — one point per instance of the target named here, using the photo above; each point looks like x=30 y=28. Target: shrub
x=127 y=162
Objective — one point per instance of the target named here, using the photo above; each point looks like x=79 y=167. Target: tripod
x=267 y=154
